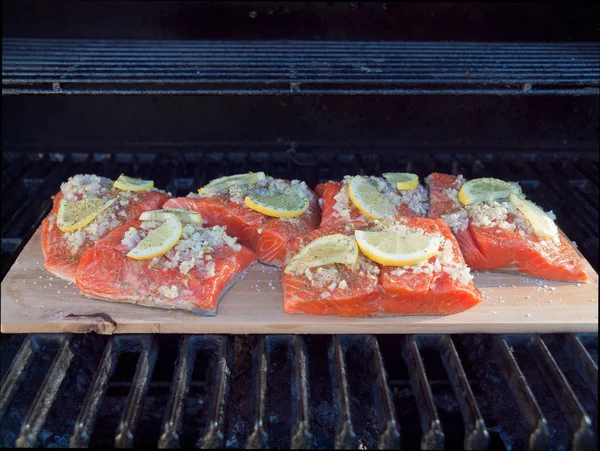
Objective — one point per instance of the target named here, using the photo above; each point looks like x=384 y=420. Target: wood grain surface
x=33 y=300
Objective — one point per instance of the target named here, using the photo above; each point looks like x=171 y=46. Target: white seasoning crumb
x=528 y=314
x=514 y=286
x=578 y=284
x=527 y=297
x=343 y=284
x=16 y=300
x=493 y=312
x=552 y=288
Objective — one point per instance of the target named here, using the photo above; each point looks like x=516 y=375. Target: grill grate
x=458 y=395
x=60 y=66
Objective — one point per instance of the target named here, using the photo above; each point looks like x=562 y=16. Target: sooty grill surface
x=277 y=391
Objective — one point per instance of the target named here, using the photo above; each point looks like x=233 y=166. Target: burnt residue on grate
x=565 y=182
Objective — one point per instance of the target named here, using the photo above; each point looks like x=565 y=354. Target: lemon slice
x=325 y=250
x=75 y=214
x=161 y=215
x=131 y=184
x=486 y=190
x=239 y=179
x=543 y=226
x=288 y=203
x=368 y=199
x=403 y=180
x=158 y=241
x=391 y=249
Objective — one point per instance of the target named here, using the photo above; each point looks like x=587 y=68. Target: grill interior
x=314 y=92
x=283 y=391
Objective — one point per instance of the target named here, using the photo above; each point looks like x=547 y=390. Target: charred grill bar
x=165 y=91
x=458 y=395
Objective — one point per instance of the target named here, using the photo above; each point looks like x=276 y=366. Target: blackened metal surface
x=464 y=392
x=47 y=66
x=565 y=182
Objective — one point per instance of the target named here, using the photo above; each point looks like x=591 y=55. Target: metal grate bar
x=584 y=362
x=431 y=427
x=86 y=419
x=214 y=438
x=345 y=437
x=390 y=437
x=532 y=415
x=302 y=438
x=38 y=412
x=137 y=394
x=172 y=422
x=583 y=437
x=476 y=433
x=259 y=438
x=16 y=374
x=284 y=68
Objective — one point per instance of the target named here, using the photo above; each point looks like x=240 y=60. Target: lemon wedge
x=161 y=215
x=402 y=180
x=486 y=190
x=325 y=250
x=368 y=199
x=158 y=241
x=391 y=249
x=249 y=178
x=75 y=214
x=543 y=225
x=132 y=184
x=287 y=203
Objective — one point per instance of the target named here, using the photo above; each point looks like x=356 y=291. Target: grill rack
x=570 y=383
x=168 y=67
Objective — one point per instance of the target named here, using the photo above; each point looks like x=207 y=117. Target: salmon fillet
x=267 y=236
x=498 y=237
x=192 y=276
x=63 y=250
x=441 y=285
x=337 y=207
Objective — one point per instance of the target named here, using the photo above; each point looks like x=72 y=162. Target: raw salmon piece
x=507 y=242
x=337 y=207
x=303 y=295
x=184 y=278
x=267 y=236
x=62 y=251
x=440 y=286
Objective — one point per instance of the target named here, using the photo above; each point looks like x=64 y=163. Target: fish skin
x=268 y=237
x=58 y=258
x=492 y=248
x=105 y=272
x=405 y=294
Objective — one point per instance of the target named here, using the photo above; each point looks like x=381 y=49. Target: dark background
x=480 y=122
x=514 y=22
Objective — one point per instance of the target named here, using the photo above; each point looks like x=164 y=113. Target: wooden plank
x=35 y=301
